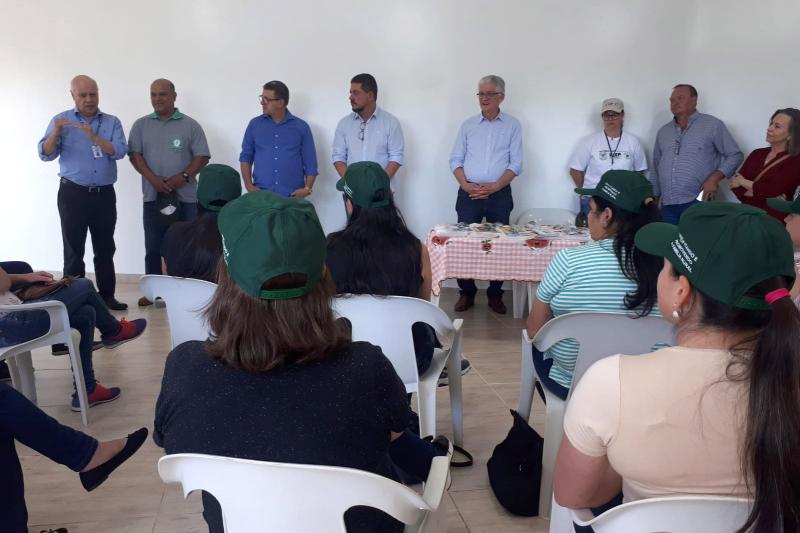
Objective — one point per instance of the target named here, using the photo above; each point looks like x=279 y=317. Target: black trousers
x=496 y=209
x=93 y=209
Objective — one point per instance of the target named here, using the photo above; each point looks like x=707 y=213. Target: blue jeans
x=542 y=367
x=585 y=207
x=671 y=214
x=496 y=208
x=154 y=232
x=22 y=421
x=86 y=312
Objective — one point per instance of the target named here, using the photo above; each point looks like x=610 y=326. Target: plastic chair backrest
x=547 y=215
x=386 y=321
x=186 y=299
x=684 y=514
x=265 y=496
x=604 y=334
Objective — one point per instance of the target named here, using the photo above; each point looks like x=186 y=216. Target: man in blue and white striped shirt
x=693 y=153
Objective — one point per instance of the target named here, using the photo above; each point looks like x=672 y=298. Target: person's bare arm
x=391 y=168
x=5 y=280
x=472 y=189
x=539 y=316
x=141 y=166
x=195 y=166
x=247 y=176
x=340 y=167
x=577 y=176
x=581 y=481
x=491 y=188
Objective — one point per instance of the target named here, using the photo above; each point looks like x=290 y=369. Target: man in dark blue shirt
x=281 y=147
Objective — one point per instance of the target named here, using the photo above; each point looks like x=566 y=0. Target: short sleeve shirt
x=669 y=421
x=583 y=278
x=168 y=147
x=593 y=154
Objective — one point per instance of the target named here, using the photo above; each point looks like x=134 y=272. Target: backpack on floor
x=515 y=469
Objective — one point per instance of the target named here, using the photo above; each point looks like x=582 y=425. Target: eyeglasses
x=487 y=95
x=611 y=115
x=266 y=100
x=361 y=133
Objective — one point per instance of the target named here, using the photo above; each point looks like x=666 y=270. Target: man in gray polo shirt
x=168 y=149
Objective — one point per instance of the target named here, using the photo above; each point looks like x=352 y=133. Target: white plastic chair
x=186 y=299
x=546 y=215
x=681 y=514
x=258 y=496
x=599 y=335
x=19 y=360
x=386 y=321
x=523 y=292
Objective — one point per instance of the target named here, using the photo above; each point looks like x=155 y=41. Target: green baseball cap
x=265 y=235
x=724 y=249
x=218 y=185
x=625 y=189
x=784 y=206
x=362 y=180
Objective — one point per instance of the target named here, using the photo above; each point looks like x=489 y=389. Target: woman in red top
x=772 y=172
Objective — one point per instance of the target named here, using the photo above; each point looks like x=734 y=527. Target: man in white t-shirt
x=609 y=149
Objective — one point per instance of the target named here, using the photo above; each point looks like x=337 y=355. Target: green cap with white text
x=724 y=249
x=265 y=235
x=624 y=188
x=785 y=206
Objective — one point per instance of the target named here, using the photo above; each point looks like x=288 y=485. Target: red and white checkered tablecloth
x=491 y=256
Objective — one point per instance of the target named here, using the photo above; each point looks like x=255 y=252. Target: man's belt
x=87 y=188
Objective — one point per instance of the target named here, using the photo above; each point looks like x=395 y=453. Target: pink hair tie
x=773 y=296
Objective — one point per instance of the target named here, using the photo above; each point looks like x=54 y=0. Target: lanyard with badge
x=613 y=152
x=97 y=152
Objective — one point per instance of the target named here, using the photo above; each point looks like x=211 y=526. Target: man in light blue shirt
x=368 y=133
x=486 y=156
x=88 y=144
x=692 y=154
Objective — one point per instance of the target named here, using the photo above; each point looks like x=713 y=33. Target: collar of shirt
x=689 y=122
x=83 y=119
x=498 y=117
x=175 y=116
x=286 y=118
x=356 y=116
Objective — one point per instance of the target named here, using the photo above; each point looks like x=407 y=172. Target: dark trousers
x=154 y=231
x=16 y=267
x=86 y=312
x=496 y=208
x=671 y=214
x=21 y=420
x=93 y=209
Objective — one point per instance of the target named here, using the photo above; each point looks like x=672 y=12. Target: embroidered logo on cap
x=682 y=251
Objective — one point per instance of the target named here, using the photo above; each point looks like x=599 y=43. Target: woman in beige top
x=720 y=412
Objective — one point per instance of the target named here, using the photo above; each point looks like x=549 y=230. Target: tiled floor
x=134 y=500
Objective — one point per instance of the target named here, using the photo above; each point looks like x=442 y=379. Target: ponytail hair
x=769 y=362
x=771 y=448
x=637 y=266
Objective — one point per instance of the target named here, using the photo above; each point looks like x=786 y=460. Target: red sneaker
x=100 y=395
x=127 y=332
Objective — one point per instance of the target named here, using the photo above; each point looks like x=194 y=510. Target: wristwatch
x=186 y=176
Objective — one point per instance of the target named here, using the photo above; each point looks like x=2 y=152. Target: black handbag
x=515 y=469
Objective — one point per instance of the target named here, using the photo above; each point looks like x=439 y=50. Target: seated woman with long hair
x=279 y=380
x=773 y=171
x=377 y=254
x=717 y=414
x=607 y=275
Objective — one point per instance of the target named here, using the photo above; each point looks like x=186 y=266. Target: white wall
x=560 y=58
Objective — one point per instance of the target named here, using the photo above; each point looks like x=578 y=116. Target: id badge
x=97 y=152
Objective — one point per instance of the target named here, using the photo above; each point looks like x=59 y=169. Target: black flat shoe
x=59 y=530
x=116 y=305
x=91 y=479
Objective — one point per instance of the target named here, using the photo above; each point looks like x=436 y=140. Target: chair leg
x=456 y=395
x=426 y=404
x=527 y=381
x=518 y=292
x=22 y=376
x=553 y=431
x=77 y=372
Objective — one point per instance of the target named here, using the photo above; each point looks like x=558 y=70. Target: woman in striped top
x=606 y=275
